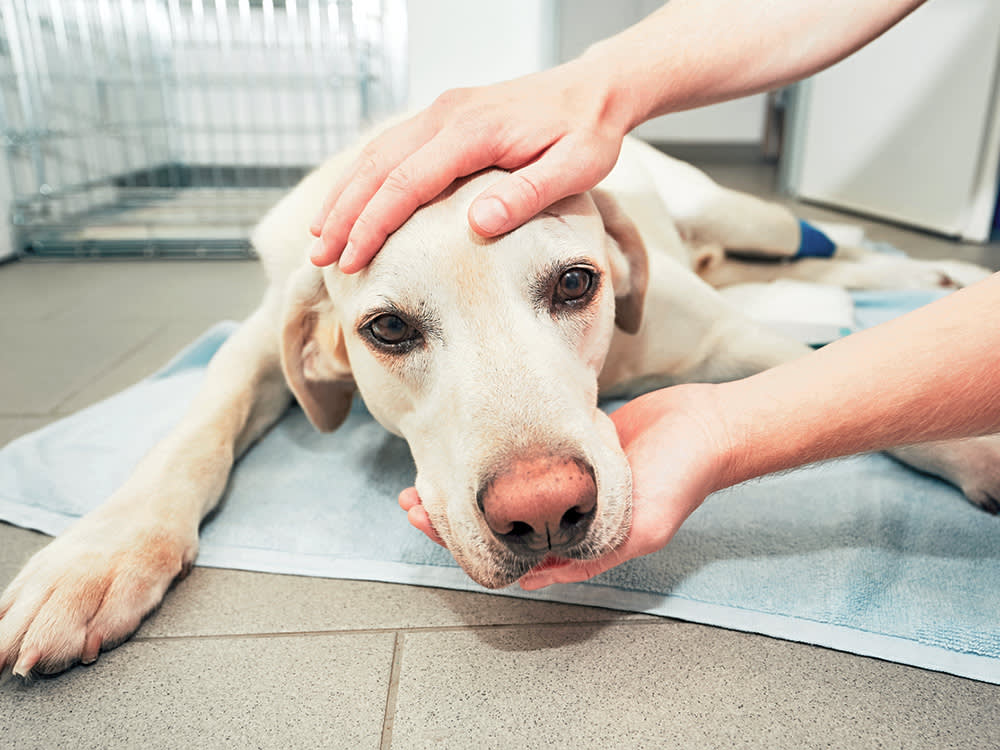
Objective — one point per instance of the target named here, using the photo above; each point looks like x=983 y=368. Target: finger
x=419 y=519
x=530 y=190
x=408 y=498
x=414 y=182
x=316 y=226
x=360 y=181
x=409 y=501
x=393 y=144
x=574 y=572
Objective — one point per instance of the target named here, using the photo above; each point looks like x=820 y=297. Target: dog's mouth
x=505 y=569
x=551 y=562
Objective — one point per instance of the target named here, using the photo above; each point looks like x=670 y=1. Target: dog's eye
x=392 y=330
x=574 y=284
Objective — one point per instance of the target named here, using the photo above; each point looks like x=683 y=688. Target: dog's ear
x=629 y=262
x=314 y=353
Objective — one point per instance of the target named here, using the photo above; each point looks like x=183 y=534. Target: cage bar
x=167 y=127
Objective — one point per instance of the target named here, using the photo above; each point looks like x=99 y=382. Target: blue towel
x=861 y=554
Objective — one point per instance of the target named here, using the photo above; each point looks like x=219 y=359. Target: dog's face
x=484 y=355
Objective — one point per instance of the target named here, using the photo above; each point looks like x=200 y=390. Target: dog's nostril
x=540 y=504
x=575 y=516
x=519 y=530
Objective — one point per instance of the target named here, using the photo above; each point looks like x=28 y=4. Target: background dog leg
x=732 y=221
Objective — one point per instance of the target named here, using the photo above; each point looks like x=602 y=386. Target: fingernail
x=317 y=253
x=490 y=215
x=347 y=257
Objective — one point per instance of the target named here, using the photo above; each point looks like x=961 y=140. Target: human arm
x=929 y=375
x=559 y=131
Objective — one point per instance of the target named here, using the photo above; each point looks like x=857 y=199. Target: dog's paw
x=953 y=274
x=87 y=591
x=971 y=464
x=905 y=273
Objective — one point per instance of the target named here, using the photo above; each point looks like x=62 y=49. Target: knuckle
x=530 y=192
x=367 y=232
x=401 y=182
x=335 y=226
x=450 y=99
x=369 y=163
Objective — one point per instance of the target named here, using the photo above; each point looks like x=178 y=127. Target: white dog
x=487 y=356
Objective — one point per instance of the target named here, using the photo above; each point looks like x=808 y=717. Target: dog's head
x=484 y=355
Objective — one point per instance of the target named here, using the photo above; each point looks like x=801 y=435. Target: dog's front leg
x=91 y=587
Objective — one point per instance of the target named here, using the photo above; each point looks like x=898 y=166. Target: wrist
x=620 y=104
x=708 y=432
x=736 y=464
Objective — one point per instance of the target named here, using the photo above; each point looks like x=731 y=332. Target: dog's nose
x=540 y=504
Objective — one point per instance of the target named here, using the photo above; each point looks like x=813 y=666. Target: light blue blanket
x=862 y=554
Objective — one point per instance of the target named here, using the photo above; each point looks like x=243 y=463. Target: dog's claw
x=27 y=661
x=91 y=648
x=87 y=589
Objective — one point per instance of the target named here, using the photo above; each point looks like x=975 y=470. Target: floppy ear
x=313 y=351
x=629 y=262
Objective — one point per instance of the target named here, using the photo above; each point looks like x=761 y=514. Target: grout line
x=393 y=693
x=110 y=367
x=659 y=621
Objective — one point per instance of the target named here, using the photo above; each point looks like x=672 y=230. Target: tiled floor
x=237 y=659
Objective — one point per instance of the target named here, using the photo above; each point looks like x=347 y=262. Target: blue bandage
x=814 y=244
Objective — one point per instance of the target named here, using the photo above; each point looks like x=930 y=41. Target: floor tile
x=14 y=427
x=16 y=546
x=131 y=289
x=46 y=363
x=175 y=290
x=271 y=692
x=36 y=292
x=107 y=325
x=476 y=670
x=140 y=362
x=672 y=685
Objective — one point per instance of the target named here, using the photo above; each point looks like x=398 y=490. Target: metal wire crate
x=167 y=127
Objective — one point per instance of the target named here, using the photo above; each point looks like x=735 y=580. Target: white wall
x=461 y=43
x=583 y=22
x=908 y=128
x=456 y=43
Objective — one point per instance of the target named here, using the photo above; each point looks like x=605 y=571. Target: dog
x=487 y=356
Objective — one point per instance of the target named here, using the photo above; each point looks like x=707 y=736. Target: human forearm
x=559 y=131
x=690 y=53
x=929 y=375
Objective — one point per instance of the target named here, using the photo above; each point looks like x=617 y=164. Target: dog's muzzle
x=540 y=505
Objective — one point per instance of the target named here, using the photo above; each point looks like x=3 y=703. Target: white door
x=908 y=128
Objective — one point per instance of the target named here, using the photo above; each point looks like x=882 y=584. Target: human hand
x=409 y=501
x=559 y=133
x=676 y=444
